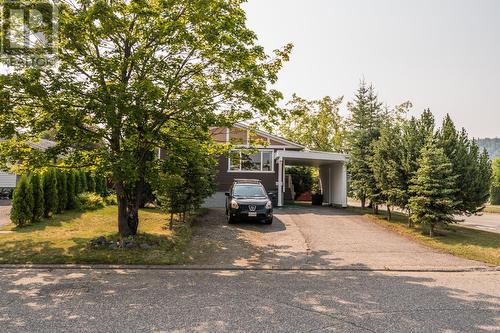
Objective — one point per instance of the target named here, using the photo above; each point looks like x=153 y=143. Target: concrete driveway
x=320 y=237
x=4 y=213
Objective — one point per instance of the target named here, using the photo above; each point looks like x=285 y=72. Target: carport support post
x=280 y=182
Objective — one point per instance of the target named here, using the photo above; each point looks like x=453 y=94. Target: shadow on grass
x=55 y=221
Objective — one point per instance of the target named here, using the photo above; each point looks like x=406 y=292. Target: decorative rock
x=145 y=246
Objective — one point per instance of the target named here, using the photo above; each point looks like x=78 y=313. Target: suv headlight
x=234 y=204
x=269 y=205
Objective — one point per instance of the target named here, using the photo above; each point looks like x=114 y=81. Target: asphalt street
x=247 y=301
x=313 y=270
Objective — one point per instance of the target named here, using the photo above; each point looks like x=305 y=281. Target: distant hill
x=491 y=145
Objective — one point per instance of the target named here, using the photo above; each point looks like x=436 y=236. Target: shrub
x=91 y=183
x=83 y=182
x=38 y=197
x=100 y=186
x=51 y=201
x=62 y=193
x=90 y=201
x=22 y=204
x=78 y=187
x=111 y=200
x=495 y=195
x=70 y=190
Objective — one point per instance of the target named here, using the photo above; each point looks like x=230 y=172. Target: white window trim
x=261 y=163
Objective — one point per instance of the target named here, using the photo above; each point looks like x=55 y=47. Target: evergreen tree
x=38 y=197
x=62 y=194
x=22 y=203
x=387 y=167
x=83 y=182
x=50 y=192
x=415 y=134
x=472 y=171
x=433 y=188
x=78 y=186
x=364 y=126
x=100 y=186
x=91 y=184
x=70 y=190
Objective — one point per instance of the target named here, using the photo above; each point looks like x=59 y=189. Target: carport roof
x=310 y=157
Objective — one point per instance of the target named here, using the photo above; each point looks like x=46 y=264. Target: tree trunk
x=431 y=230
x=128 y=213
x=363 y=201
x=375 y=208
x=171 y=225
x=389 y=214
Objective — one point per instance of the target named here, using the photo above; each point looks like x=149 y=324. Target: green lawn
x=64 y=239
x=492 y=209
x=463 y=242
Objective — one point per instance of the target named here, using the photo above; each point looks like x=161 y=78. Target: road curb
x=249 y=268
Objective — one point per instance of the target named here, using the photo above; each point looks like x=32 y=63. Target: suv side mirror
x=227 y=194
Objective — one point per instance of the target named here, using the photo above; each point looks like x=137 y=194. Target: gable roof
x=268 y=135
x=41 y=144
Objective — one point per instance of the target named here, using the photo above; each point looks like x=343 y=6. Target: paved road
x=247 y=301
x=347 y=295
x=318 y=237
x=486 y=222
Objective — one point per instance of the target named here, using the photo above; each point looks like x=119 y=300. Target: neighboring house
x=264 y=156
x=8 y=180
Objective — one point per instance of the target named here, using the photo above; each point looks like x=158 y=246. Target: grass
x=64 y=239
x=492 y=209
x=463 y=242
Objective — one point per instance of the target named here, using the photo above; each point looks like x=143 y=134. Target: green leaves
x=316 y=124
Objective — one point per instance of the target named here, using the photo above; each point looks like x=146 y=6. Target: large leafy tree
x=127 y=73
x=316 y=124
x=364 y=130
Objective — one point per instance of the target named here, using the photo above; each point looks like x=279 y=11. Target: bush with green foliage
x=78 y=186
x=302 y=179
x=100 y=184
x=84 y=187
x=38 y=197
x=91 y=184
x=90 y=201
x=22 y=204
x=71 y=202
x=62 y=191
x=111 y=200
x=51 y=201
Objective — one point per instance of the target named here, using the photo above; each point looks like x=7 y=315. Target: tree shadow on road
x=247 y=301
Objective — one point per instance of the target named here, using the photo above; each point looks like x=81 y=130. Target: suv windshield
x=248 y=191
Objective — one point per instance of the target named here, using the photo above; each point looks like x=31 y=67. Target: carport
x=332 y=172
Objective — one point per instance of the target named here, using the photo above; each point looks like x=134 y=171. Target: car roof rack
x=248 y=181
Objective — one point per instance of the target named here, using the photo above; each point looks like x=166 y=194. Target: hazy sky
x=441 y=54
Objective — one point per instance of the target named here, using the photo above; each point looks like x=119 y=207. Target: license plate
x=252 y=214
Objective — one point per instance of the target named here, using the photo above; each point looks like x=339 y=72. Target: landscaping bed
x=463 y=242
x=77 y=237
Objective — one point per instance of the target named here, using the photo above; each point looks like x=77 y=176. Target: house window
x=261 y=161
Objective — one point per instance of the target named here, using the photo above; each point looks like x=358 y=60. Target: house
x=264 y=156
x=9 y=181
